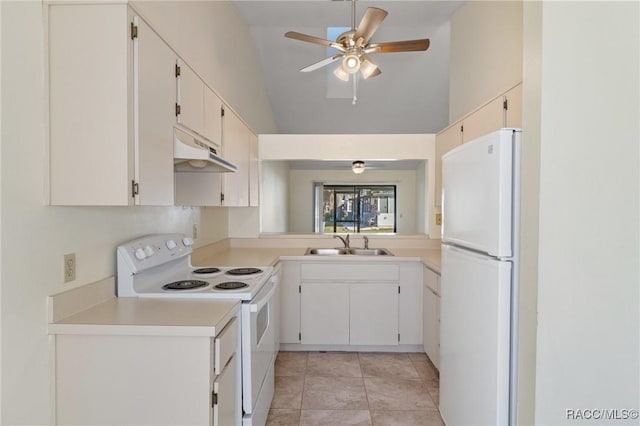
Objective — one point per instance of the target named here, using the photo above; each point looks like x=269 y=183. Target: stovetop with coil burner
x=167 y=272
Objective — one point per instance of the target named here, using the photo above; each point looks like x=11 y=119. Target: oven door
x=259 y=334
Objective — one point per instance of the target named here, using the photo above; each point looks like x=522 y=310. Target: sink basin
x=370 y=252
x=326 y=251
x=344 y=251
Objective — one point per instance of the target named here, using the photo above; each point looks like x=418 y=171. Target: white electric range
x=160 y=266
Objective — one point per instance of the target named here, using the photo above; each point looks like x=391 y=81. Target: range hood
x=192 y=153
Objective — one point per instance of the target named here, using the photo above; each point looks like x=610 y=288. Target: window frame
x=357 y=200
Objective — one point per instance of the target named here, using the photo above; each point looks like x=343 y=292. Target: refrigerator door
x=474 y=338
x=477 y=188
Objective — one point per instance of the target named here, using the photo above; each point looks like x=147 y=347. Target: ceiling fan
x=355 y=46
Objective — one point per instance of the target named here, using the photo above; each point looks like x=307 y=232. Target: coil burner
x=231 y=285
x=184 y=285
x=244 y=271
x=205 y=271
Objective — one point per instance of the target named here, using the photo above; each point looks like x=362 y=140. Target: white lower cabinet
x=351 y=303
x=147 y=379
x=324 y=313
x=373 y=314
x=431 y=316
x=224 y=399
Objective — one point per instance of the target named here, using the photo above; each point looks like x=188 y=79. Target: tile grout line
x=304 y=382
x=425 y=384
x=366 y=394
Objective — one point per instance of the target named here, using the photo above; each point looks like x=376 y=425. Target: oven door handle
x=255 y=307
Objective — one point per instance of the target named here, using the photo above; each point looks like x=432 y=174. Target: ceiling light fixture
x=357 y=167
x=351 y=63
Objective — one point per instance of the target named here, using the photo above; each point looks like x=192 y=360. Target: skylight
x=336 y=88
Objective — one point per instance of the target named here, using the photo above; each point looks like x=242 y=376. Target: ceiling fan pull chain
x=355 y=89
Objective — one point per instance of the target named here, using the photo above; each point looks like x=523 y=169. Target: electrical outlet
x=195 y=231
x=69 y=267
x=439 y=219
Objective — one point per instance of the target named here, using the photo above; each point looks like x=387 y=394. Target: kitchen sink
x=326 y=251
x=345 y=251
x=370 y=252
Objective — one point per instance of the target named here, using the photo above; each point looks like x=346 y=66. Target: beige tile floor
x=349 y=388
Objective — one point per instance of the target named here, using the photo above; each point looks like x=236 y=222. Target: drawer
x=350 y=272
x=225 y=346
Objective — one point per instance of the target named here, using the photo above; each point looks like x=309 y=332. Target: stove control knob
x=170 y=244
x=148 y=251
x=188 y=242
x=140 y=254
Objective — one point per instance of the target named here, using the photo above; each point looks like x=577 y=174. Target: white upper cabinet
x=190 y=98
x=235 y=148
x=488 y=118
x=104 y=68
x=212 y=116
x=199 y=108
x=514 y=107
x=254 y=171
x=154 y=112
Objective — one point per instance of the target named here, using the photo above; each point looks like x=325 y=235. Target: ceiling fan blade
x=398 y=46
x=368 y=68
x=315 y=40
x=370 y=22
x=322 y=63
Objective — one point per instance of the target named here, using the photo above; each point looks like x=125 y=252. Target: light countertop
x=233 y=256
x=151 y=317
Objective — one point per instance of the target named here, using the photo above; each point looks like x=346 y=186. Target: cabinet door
x=324 y=313
x=224 y=387
x=373 y=314
x=155 y=93
x=410 y=303
x=290 y=303
x=90 y=133
x=445 y=142
x=191 y=99
x=485 y=120
x=514 y=107
x=212 y=116
x=235 y=146
x=254 y=171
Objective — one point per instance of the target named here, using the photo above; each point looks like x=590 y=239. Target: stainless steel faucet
x=345 y=241
x=366 y=241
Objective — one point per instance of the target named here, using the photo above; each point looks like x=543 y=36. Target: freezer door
x=477 y=194
x=474 y=339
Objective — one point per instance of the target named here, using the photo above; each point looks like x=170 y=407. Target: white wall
x=35 y=237
x=486 y=53
x=529 y=212
x=588 y=348
x=301 y=194
x=274 y=196
x=422 y=185
x=207 y=34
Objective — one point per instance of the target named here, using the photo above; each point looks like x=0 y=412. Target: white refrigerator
x=479 y=287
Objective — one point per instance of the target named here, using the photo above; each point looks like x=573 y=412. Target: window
x=356 y=208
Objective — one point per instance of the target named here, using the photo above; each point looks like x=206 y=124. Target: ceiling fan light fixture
x=351 y=63
x=368 y=69
x=357 y=167
x=341 y=73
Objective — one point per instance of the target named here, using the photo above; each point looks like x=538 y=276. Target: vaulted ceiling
x=410 y=96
